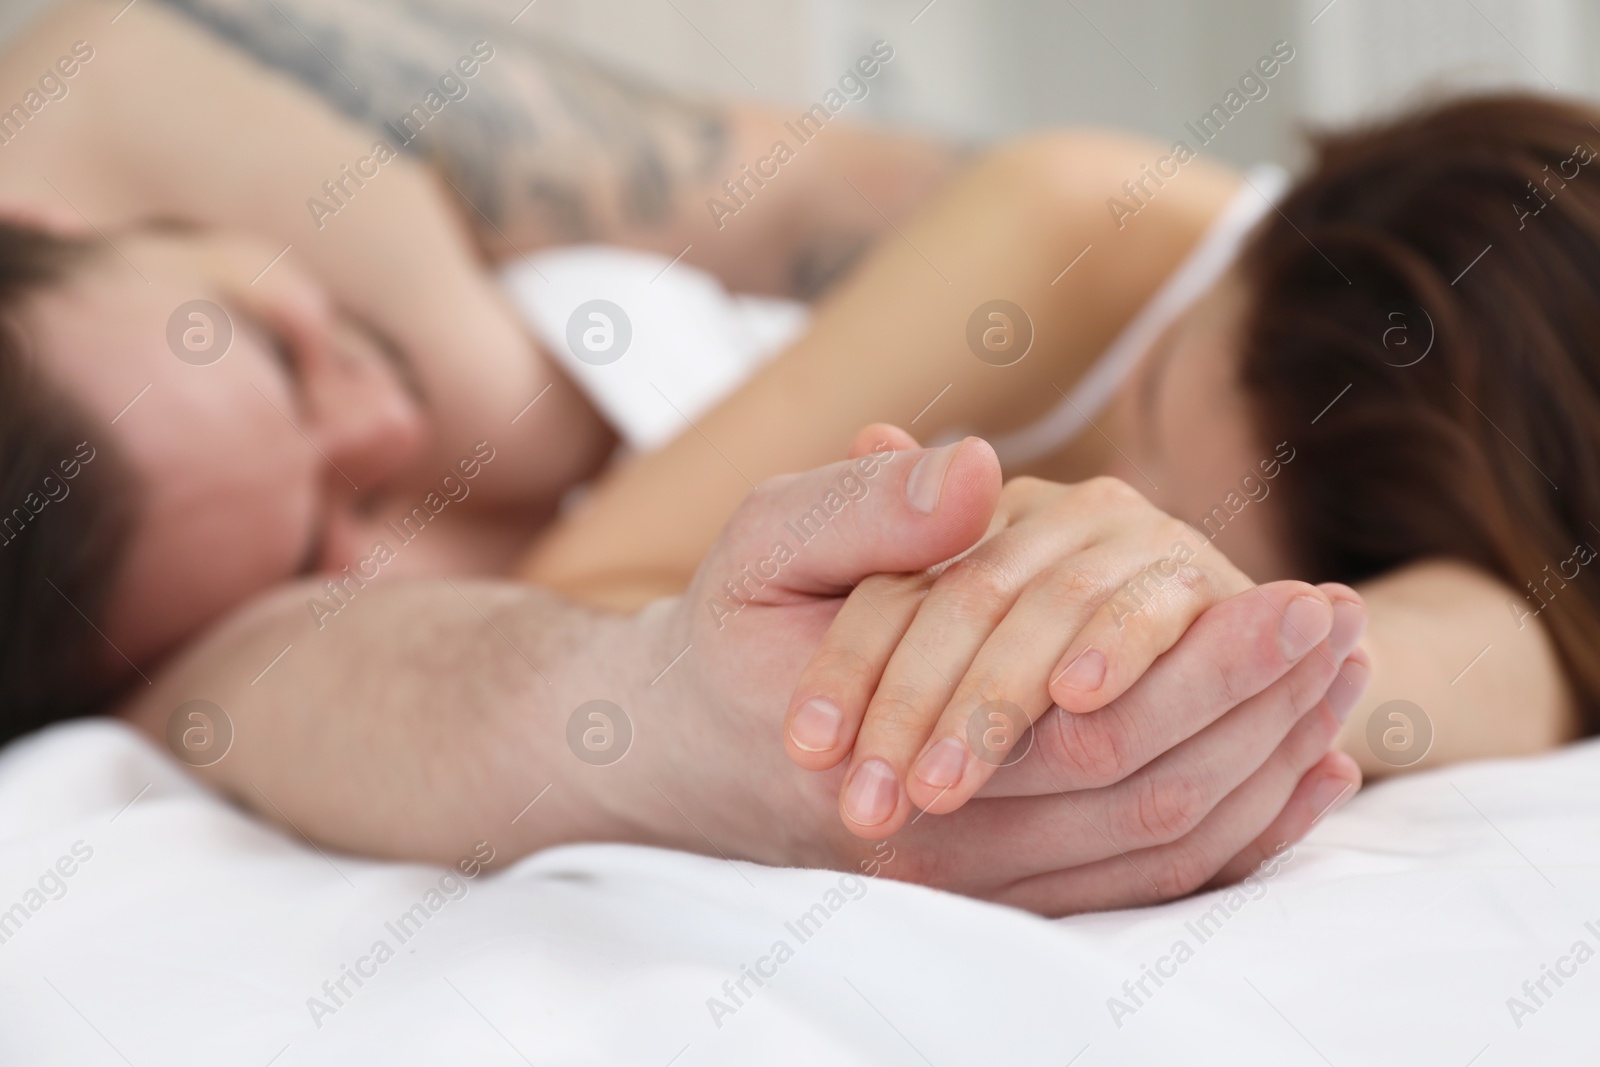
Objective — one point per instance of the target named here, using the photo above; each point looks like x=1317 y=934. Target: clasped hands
x=1048 y=695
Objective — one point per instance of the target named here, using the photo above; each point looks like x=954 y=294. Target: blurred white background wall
x=983 y=69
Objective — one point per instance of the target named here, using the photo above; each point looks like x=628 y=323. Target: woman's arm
x=1479 y=678
x=890 y=345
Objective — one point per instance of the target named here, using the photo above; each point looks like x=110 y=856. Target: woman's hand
x=927 y=681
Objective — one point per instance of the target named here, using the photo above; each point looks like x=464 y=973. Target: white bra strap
x=1264 y=186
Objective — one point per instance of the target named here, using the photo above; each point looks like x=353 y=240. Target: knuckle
x=1291 y=697
x=1069 y=584
x=1025 y=491
x=1086 y=751
x=923 y=866
x=1180 y=871
x=1307 y=740
x=1165 y=808
x=1236 y=679
x=840 y=661
x=898 y=708
x=879 y=588
x=1307 y=682
x=979 y=585
x=1176 y=532
x=1108 y=492
x=983 y=686
x=1025 y=485
x=1195 y=583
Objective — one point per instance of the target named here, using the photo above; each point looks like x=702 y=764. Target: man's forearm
x=453 y=729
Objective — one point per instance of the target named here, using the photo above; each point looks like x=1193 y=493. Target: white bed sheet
x=194 y=935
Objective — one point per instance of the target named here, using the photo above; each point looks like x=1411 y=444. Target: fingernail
x=816 y=726
x=1086 y=672
x=871 y=796
x=1349 y=623
x=1347 y=687
x=1305 y=623
x=927 y=478
x=1329 y=794
x=943 y=764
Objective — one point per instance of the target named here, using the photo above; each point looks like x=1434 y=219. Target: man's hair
x=1444 y=270
x=61 y=537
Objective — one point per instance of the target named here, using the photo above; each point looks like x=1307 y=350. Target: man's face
x=252 y=468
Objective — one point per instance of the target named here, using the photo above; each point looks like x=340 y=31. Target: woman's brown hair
x=1425 y=330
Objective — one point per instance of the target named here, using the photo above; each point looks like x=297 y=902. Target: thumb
x=821 y=532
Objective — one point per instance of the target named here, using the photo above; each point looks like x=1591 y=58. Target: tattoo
x=640 y=128
x=561 y=145
x=825 y=259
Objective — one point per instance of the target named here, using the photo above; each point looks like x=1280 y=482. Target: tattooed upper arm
x=543 y=144
x=537 y=144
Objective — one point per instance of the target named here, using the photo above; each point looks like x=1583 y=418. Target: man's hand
x=1209 y=761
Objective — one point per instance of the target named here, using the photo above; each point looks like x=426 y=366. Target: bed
x=1446 y=918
